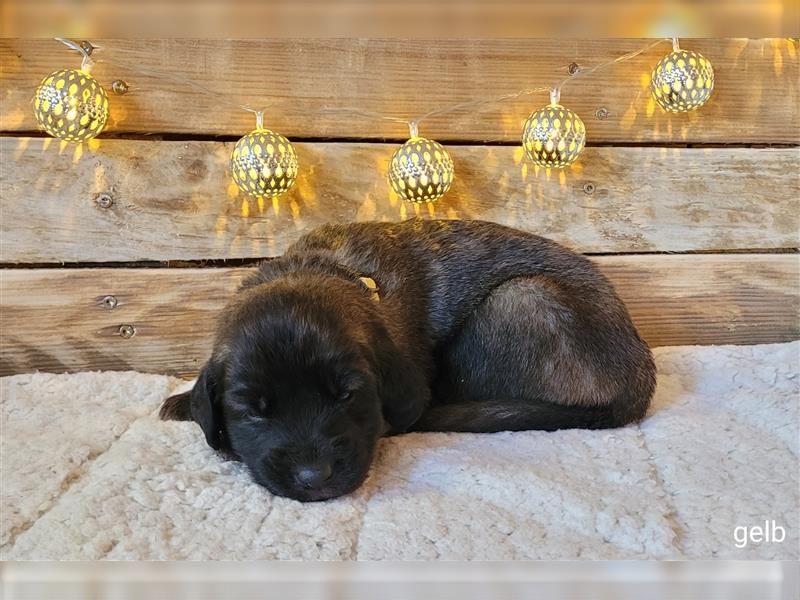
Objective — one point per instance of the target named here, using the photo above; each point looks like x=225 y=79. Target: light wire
x=412 y=123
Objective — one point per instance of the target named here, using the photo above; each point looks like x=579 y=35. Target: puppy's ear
x=201 y=404
x=402 y=387
x=176 y=408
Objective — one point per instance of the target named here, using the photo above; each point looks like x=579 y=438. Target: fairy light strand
x=264 y=162
x=460 y=106
x=86 y=58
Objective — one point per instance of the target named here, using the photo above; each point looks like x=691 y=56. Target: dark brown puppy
x=478 y=328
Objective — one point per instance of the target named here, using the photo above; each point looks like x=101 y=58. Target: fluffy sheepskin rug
x=89 y=472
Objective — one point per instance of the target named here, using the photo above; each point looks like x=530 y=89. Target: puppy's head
x=298 y=388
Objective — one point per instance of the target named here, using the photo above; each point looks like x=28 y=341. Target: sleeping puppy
x=473 y=327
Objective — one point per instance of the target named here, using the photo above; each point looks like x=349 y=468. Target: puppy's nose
x=314 y=475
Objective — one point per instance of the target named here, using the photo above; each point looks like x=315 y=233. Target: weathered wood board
x=56 y=320
x=642 y=185
x=313 y=87
x=176 y=201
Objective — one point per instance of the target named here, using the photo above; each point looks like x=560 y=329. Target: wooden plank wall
x=304 y=84
x=694 y=217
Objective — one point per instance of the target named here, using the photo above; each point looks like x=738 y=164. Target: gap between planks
x=169 y=136
x=217 y=263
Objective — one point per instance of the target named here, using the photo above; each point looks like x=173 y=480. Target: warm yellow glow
x=682 y=81
x=295 y=208
x=71 y=105
x=553 y=136
x=233 y=190
x=421 y=170
x=263 y=164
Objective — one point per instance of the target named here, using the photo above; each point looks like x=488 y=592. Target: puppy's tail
x=514 y=415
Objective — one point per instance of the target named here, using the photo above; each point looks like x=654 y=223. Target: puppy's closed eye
x=249 y=405
x=347 y=386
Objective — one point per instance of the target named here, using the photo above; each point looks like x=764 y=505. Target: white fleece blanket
x=89 y=472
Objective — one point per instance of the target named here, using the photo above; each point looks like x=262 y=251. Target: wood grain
x=306 y=83
x=175 y=200
x=55 y=319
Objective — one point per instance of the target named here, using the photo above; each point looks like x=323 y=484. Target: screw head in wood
x=119 y=87
x=104 y=200
x=108 y=302
x=573 y=68
x=588 y=188
x=601 y=113
x=127 y=331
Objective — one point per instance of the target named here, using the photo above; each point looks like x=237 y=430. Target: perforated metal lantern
x=553 y=136
x=682 y=81
x=263 y=163
x=71 y=105
x=421 y=170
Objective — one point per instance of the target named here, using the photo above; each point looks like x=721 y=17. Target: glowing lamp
x=553 y=136
x=420 y=170
x=263 y=163
x=71 y=105
x=682 y=81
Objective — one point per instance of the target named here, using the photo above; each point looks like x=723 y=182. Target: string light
x=70 y=104
x=553 y=136
x=682 y=81
x=263 y=163
x=420 y=170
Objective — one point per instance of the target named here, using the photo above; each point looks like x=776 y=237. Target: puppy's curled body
x=479 y=328
x=512 y=330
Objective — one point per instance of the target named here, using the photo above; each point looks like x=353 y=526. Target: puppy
x=474 y=327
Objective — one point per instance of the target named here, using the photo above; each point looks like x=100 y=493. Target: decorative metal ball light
x=553 y=136
x=420 y=170
x=71 y=105
x=682 y=81
x=263 y=163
